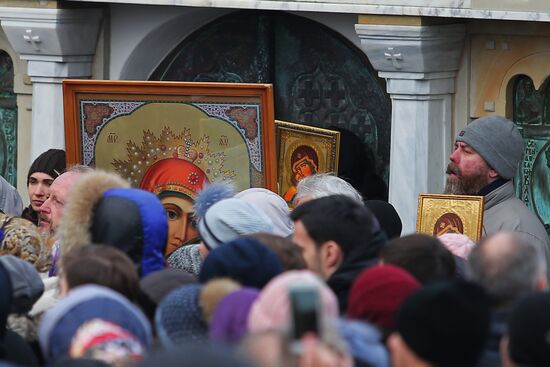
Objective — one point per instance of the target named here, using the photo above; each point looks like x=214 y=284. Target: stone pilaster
x=419 y=63
x=58 y=44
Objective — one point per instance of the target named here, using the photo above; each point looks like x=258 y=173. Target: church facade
x=404 y=76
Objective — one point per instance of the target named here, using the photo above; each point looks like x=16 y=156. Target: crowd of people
x=86 y=278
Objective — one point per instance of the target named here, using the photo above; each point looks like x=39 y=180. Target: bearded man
x=484 y=161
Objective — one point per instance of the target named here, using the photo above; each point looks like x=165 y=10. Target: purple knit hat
x=229 y=321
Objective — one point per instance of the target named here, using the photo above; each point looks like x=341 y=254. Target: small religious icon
x=304 y=162
x=440 y=214
x=303 y=151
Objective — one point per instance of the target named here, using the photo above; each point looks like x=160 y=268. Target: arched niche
x=535 y=66
x=157 y=44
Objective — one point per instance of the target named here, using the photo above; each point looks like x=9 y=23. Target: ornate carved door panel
x=319 y=78
x=236 y=49
x=8 y=121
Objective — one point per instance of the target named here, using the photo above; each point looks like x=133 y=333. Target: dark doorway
x=319 y=77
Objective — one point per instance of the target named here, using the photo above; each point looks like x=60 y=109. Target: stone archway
x=319 y=79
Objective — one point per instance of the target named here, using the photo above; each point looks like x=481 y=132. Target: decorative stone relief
x=428 y=48
x=56 y=34
x=394 y=56
x=58 y=44
x=532 y=117
x=33 y=39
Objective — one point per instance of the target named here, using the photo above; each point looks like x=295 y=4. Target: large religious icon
x=441 y=214
x=303 y=151
x=173 y=138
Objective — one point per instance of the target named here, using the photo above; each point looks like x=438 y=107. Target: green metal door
x=532 y=115
x=8 y=121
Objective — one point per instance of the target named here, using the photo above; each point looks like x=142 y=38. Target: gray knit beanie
x=498 y=142
x=186 y=258
x=231 y=218
x=178 y=318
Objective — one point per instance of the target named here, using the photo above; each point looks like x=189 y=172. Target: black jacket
x=361 y=257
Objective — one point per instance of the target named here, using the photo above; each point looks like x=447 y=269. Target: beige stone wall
x=461 y=110
x=499 y=52
x=49 y=4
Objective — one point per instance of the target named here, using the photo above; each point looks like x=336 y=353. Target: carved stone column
x=58 y=44
x=419 y=64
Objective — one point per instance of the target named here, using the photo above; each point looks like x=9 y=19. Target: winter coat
x=10 y=201
x=491 y=355
x=101 y=208
x=12 y=346
x=360 y=258
x=505 y=212
x=30 y=214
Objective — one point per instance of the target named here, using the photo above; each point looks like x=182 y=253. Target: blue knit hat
x=231 y=218
x=83 y=304
x=179 y=319
x=245 y=260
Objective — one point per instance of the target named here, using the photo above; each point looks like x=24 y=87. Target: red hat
x=378 y=292
x=176 y=175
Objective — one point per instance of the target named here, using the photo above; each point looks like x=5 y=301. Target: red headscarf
x=176 y=175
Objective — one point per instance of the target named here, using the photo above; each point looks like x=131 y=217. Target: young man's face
x=39 y=189
x=467 y=173
x=310 y=252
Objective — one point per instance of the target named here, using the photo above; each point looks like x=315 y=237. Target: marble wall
x=530 y=10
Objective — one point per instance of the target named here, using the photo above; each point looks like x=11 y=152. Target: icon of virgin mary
x=448 y=223
x=175 y=168
x=304 y=162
